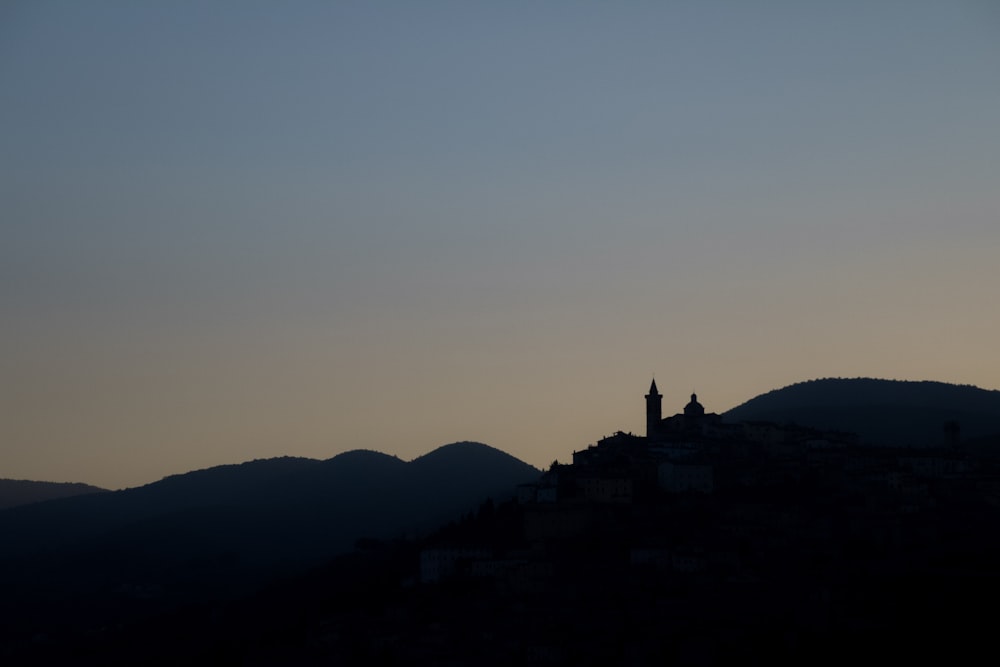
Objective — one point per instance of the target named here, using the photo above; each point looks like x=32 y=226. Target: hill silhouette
x=786 y=559
x=14 y=492
x=233 y=524
x=881 y=412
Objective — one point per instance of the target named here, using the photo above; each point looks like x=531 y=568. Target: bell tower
x=654 y=410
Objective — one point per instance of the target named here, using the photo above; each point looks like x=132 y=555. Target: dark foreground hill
x=882 y=412
x=14 y=492
x=232 y=525
x=790 y=560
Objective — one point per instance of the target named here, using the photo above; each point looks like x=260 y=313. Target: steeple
x=654 y=410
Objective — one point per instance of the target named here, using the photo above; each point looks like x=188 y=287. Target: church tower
x=654 y=410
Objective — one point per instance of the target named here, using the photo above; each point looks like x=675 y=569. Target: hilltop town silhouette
x=704 y=541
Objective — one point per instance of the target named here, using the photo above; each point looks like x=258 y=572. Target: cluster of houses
x=679 y=454
x=696 y=455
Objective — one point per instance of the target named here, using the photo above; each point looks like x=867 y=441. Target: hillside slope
x=263 y=515
x=14 y=492
x=883 y=412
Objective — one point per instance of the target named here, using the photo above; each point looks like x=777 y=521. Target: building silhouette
x=692 y=422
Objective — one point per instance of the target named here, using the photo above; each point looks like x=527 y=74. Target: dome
x=694 y=408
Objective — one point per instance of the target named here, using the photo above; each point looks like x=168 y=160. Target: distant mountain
x=14 y=492
x=263 y=515
x=883 y=412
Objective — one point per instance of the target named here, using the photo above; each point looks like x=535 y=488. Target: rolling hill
x=240 y=522
x=14 y=492
x=881 y=412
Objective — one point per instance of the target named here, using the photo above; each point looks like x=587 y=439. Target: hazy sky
x=237 y=230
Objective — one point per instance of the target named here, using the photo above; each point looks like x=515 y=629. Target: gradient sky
x=238 y=230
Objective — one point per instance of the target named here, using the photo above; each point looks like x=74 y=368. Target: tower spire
x=654 y=410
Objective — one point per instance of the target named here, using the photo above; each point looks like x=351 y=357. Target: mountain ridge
x=273 y=509
x=15 y=492
x=881 y=412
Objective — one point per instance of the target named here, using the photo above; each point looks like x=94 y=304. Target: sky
x=240 y=230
